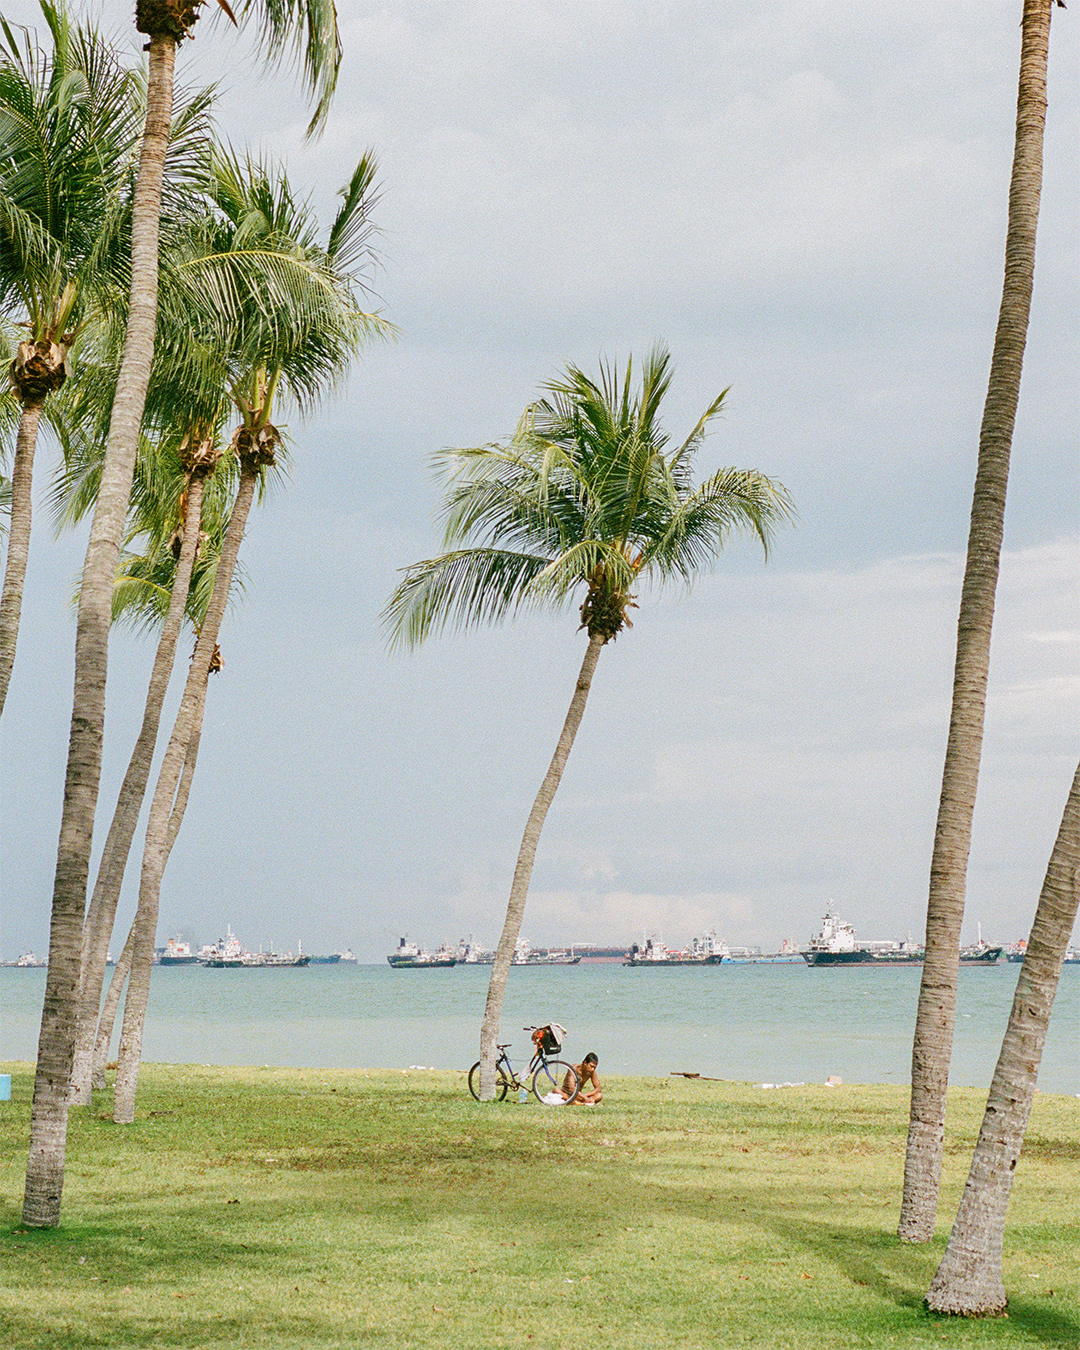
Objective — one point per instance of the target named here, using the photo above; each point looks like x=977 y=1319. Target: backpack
x=549 y=1039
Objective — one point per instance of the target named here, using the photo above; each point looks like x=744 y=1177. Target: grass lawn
x=273 y=1208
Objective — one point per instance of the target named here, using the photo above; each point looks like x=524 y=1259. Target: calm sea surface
x=750 y=1023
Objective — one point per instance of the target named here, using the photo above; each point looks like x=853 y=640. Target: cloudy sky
x=806 y=202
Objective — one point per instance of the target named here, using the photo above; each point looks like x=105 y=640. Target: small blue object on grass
x=5 y=1087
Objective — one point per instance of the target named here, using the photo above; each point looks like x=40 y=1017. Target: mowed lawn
x=273 y=1208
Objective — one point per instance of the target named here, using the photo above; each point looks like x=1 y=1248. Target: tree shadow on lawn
x=876 y=1260
x=75 y=1286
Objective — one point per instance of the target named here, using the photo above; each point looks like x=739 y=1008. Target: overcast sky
x=805 y=201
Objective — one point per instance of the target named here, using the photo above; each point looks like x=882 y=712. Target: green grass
x=272 y=1208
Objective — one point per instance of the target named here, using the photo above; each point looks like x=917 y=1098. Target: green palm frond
x=349 y=242
x=249 y=294
x=70 y=120
x=304 y=31
x=584 y=496
x=144 y=581
x=461 y=589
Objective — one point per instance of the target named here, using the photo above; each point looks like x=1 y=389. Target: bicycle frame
x=504 y=1062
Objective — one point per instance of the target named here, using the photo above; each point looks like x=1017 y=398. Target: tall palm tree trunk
x=113 y=994
x=969 y=1279
x=160 y=837
x=519 y=889
x=936 y=1016
x=22 y=475
x=56 y=1044
x=97 y=931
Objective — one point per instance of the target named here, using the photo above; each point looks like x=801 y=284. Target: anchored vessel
x=980 y=953
x=526 y=955
x=178 y=953
x=703 y=951
x=410 y=957
x=835 y=945
x=228 y=954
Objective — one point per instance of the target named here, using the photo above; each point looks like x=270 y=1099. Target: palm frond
x=349 y=244
x=306 y=32
x=460 y=590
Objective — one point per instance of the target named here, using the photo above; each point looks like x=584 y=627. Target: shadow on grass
x=1045 y=1325
x=874 y=1259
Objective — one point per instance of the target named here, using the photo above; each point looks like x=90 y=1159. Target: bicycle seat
x=504 y=1047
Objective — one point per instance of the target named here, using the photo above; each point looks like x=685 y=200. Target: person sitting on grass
x=586 y=1073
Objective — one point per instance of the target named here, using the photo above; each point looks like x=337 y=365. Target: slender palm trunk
x=56 y=1044
x=113 y=994
x=22 y=475
x=936 y=1016
x=160 y=835
x=519 y=889
x=969 y=1279
x=97 y=931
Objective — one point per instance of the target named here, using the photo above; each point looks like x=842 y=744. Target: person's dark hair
x=590 y=1058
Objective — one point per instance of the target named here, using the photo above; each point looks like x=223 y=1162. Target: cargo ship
x=835 y=945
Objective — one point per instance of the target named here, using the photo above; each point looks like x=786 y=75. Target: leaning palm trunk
x=56 y=1044
x=108 y=1011
x=936 y=1016
x=97 y=932
x=519 y=889
x=160 y=836
x=969 y=1279
x=18 y=540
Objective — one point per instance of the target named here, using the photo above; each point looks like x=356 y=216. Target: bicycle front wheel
x=502 y=1083
x=555 y=1075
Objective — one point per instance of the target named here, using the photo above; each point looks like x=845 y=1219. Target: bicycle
x=548 y=1076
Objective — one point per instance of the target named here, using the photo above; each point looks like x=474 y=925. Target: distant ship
x=229 y=954
x=526 y=955
x=788 y=955
x=411 y=957
x=703 y=951
x=178 y=953
x=835 y=945
x=980 y=953
x=470 y=953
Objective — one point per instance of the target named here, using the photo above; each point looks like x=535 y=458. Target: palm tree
x=936 y=1015
x=278 y=309
x=969 y=1278
x=309 y=29
x=69 y=123
x=584 y=497
x=157 y=589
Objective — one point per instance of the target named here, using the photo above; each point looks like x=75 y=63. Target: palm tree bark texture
x=519 y=889
x=936 y=1015
x=102 y=910
x=161 y=827
x=56 y=1045
x=969 y=1279
x=18 y=539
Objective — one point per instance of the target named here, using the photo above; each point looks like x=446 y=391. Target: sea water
x=753 y=1023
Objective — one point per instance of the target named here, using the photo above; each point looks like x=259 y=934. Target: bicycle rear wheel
x=555 y=1075
x=502 y=1083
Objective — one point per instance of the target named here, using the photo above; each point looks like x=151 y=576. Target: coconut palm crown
x=585 y=496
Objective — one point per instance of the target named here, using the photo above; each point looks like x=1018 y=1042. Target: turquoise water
x=751 y=1023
